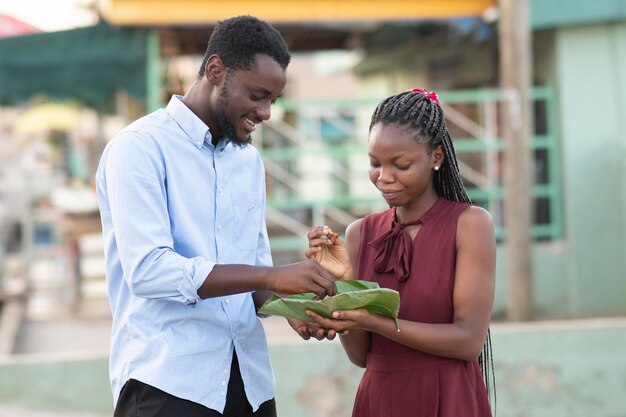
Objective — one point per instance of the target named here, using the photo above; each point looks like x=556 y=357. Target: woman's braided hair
x=422 y=116
x=425 y=119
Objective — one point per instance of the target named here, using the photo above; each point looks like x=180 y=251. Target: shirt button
x=219 y=227
x=223 y=383
x=225 y=371
x=227 y=301
x=222 y=393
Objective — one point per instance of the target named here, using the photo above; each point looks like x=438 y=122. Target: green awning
x=87 y=64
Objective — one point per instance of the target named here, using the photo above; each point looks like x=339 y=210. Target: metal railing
x=313 y=180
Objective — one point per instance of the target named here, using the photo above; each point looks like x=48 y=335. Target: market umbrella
x=48 y=116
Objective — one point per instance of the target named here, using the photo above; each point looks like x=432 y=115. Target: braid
x=417 y=112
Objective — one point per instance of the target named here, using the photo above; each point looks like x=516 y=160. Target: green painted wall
x=551 y=286
x=584 y=274
x=553 y=13
x=591 y=67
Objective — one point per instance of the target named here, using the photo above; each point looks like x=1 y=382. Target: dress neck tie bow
x=393 y=250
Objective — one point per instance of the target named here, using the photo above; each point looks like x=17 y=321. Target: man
x=182 y=202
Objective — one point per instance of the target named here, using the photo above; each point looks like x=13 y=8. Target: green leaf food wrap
x=350 y=295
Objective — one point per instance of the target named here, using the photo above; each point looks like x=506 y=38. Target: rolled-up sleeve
x=135 y=181
x=196 y=271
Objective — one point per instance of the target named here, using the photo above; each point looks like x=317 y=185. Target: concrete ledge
x=571 y=368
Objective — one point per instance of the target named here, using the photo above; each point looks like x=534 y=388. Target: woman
x=433 y=247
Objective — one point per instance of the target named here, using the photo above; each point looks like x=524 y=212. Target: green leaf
x=350 y=295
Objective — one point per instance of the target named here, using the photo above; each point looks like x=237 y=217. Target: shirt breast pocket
x=247 y=224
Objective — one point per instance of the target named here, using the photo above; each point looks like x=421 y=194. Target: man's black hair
x=239 y=39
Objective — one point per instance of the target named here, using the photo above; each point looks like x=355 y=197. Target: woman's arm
x=336 y=254
x=472 y=298
x=356 y=343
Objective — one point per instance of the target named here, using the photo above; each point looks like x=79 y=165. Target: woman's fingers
x=315 y=232
x=326 y=322
x=319 y=242
x=352 y=315
x=312 y=251
x=321 y=235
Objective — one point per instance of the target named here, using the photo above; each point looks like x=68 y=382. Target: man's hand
x=307 y=329
x=301 y=277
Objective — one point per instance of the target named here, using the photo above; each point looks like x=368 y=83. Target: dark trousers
x=142 y=400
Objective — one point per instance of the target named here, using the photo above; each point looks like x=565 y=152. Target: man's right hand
x=301 y=277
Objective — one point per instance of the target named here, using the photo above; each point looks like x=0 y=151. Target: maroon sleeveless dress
x=404 y=382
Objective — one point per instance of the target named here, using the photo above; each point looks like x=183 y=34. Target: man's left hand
x=307 y=329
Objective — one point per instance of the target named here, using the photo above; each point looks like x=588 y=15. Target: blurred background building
x=64 y=94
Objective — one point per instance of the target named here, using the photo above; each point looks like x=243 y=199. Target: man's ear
x=437 y=156
x=214 y=70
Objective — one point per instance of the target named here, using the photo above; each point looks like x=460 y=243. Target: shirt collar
x=197 y=131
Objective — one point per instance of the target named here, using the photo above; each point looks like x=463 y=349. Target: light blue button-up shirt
x=172 y=206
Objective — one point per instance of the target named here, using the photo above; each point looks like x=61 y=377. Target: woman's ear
x=214 y=69
x=437 y=156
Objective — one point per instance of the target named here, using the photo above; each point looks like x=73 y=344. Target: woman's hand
x=344 y=320
x=330 y=251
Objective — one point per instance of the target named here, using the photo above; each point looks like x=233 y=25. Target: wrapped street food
x=350 y=295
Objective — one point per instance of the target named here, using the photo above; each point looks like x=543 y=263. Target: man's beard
x=227 y=128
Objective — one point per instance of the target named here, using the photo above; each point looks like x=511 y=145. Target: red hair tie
x=430 y=94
